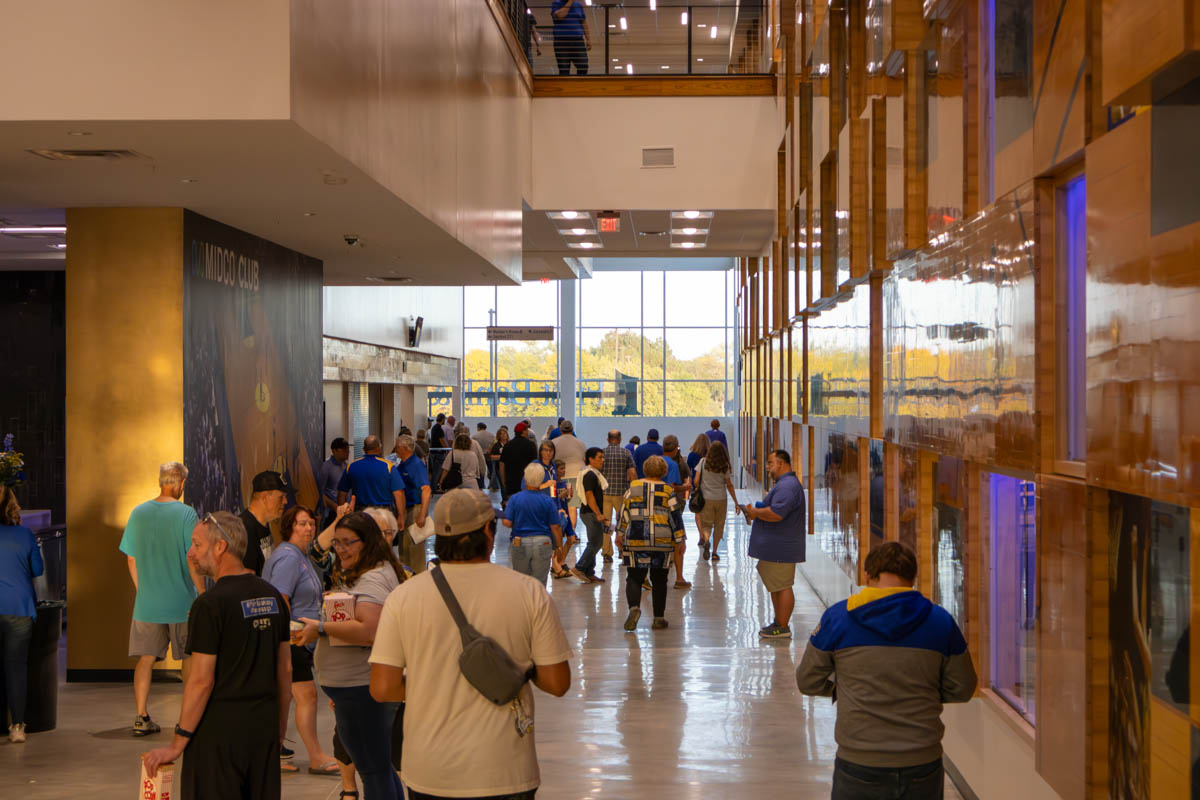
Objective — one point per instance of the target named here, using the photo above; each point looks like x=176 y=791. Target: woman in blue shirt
x=20 y=563
x=291 y=572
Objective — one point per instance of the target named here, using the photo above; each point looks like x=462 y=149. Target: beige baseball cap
x=461 y=511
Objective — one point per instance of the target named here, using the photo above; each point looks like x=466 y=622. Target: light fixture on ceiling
x=611 y=25
x=560 y=215
x=686 y=245
x=699 y=59
x=616 y=59
x=576 y=232
x=310 y=213
x=701 y=24
x=712 y=32
x=691 y=215
x=79 y=133
x=629 y=69
x=624 y=24
x=654 y=5
x=34 y=230
x=683 y=18
x=189 y=180
x=688 y=231
x=584 y=245
x=664 y=66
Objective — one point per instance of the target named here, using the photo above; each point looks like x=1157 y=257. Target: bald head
x=371 y=444
x=614 y=436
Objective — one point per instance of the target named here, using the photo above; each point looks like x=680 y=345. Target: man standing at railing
x=572 y=39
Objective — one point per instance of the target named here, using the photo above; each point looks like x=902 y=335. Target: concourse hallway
x=702 y=709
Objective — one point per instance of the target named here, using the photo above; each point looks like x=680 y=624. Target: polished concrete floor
x=701 y=706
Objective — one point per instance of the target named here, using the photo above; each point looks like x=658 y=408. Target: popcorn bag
x=161 y=786
x=338 y=607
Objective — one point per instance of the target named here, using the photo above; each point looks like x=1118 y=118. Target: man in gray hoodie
x=889 y=658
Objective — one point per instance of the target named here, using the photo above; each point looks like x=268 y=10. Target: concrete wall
x=589 y=152
x=380 y=315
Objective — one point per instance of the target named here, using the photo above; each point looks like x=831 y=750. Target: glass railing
x=642 y=37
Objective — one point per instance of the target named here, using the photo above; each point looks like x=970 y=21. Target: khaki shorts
x=152 y=638
x=777 y=575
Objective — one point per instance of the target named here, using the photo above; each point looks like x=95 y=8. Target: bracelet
x=181 y=732
x=320 y=627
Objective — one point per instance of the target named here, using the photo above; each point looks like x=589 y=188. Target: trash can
x=41 y=702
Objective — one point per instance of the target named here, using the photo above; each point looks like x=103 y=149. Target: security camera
x=351 y=239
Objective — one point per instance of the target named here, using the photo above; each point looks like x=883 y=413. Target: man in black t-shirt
x=268 y=496
x=519 y=452
x=235 y=701
x=592 y=483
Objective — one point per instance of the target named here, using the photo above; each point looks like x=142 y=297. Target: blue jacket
x=890 y=658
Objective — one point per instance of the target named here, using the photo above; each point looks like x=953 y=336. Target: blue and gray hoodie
x=893 y=658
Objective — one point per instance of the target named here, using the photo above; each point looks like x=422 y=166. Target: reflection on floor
x=664 y=714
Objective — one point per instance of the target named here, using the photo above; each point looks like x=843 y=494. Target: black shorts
x=339 y=752
x=218 y=767
x=302 y=664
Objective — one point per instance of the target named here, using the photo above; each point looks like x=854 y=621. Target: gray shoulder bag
x=484 y=663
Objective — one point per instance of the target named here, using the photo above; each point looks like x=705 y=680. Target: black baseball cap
x=269 y=481
x=338 y=444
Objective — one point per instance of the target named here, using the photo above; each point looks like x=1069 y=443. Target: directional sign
x=514 y=333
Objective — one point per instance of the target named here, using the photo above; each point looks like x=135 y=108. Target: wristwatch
x=181 y=732
x=320 y=627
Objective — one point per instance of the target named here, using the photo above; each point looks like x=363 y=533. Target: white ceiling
x=731 y=233
x=262 y=177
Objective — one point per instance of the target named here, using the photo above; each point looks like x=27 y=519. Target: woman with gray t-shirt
x=714 y=476
x=367 y=569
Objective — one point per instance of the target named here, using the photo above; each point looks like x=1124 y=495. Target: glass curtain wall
x=655 y=343
x=510 y=379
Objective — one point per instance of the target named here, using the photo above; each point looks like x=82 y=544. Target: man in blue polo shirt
x=777 y=540
x=374 y=482
x=416 y=501
x=644 y=451
x=536 y=531
x=572 y=39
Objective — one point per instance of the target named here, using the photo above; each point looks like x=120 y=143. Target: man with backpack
x=489 y=751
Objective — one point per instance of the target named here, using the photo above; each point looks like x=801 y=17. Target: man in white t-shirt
x=456 y=742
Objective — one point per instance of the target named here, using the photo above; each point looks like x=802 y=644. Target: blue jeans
x=856 y=782
x=586 y=563
x=15 y=634
x=531 y=556
x=365 y=728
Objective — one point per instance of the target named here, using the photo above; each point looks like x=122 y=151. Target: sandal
x=347 y=793
x=330 y=767
x=287 y=766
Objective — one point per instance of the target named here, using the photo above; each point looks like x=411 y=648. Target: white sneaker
x=16 y=733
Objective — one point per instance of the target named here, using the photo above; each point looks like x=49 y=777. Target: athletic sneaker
x=631 y=621
x=659 y=623
x=16 y=733
x=704 y=551
x=775 y=631
x=144 y=726
x=285 y=752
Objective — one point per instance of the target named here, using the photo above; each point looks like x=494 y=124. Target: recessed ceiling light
x=689 y=231
x=31 y=229
x=691 y=214
x=701 y=24
x=712 y=32
x=310 y=213
x=570 y=214
x=616 y=59
x=699 y=59
x=683 y=18
x=664 y=66
x=59 y=246
x=190 y=180
x=79 y=133
x=654 y=5
x=624 y=24
x=579 y=231
x=629 y=69
x=686 y=245
x=611 y=25
x=584 y=245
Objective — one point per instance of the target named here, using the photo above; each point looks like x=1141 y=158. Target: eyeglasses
x=209 y=518
x=345 y=544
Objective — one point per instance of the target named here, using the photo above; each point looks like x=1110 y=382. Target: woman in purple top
x=20 y=563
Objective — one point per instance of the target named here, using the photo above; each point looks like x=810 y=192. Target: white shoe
x=16 y=733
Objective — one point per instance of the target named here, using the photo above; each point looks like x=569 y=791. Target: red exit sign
x=610 y=223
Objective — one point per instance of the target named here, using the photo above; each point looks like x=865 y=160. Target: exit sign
x=609 y=223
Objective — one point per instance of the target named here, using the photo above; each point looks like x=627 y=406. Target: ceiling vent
x=658 y=156
x=88 y=155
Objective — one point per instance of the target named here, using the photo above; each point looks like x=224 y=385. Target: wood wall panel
x=1061 y=681
x=915 y=140
x=1138 y=41
x=1059 y=51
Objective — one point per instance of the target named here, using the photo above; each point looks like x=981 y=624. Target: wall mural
x=252 y=365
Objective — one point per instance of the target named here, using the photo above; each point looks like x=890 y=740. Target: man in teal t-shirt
x=156 y=541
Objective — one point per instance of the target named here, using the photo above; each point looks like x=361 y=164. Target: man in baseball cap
x=415 y=660
x=268 y=496
x=518 y=453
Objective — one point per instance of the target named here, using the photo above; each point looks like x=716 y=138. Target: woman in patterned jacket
x=650 y=537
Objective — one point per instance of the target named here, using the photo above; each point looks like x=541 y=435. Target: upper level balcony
x=643 y=38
